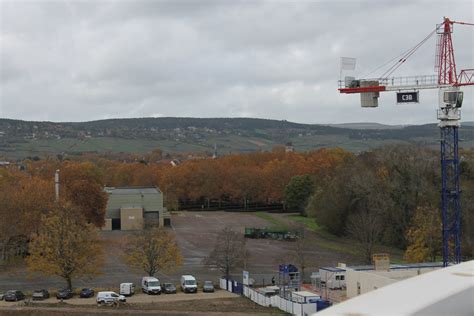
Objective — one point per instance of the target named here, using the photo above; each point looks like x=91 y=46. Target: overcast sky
x=89 y=60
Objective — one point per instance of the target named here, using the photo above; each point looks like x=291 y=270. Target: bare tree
x=302 y=255
x=229 y=251
x=365 y=227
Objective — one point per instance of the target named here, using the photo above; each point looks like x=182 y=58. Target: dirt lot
x=235 y=306
x=138 y=298
x=195 y=233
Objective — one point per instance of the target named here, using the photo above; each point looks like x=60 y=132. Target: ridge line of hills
x=31 y=138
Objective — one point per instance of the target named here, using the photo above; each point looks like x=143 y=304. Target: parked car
x=14 y=295
x=64 y=294
x=208 y=287
x=40 y=294
x=151 y=285
x=86 y=293
x=1 y=296
x=169 y=288
x=109 y=298
x=188 y=284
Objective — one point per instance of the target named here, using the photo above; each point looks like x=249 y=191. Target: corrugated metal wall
x=149 y=203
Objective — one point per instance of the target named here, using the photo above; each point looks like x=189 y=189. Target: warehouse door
x=115 y=223
x=152 y=219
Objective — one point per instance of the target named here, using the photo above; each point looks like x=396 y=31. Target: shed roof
x=392 y=267
x=132 y=190
x=333 y=269
x=306 y=294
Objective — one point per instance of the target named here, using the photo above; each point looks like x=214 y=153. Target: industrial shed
x=134 y=208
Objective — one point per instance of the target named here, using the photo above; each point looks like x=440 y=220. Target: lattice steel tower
x=448 y=83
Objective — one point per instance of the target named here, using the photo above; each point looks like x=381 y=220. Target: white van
x=127 y=289
x=188 y=284
x=151 y=285
x=109 y=297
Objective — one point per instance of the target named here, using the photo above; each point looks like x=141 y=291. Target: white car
x=109 y=297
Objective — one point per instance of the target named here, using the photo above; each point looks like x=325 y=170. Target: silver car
x=109 y=297
x=208 y=286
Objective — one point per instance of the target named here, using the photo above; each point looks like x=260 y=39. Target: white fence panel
x=297 y=309
x=309 y=309
x=258 y=298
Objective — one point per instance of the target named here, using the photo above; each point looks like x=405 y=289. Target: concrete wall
x=360 y=282
x=108 y=224
x=371 y=280
x=131 y=218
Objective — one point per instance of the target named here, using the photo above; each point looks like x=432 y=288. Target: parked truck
x=151 y=285
x=188 y=284
x=127 y=289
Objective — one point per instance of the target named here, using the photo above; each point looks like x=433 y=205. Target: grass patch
x=275 y=223
x=309 y=222
x=328 y=241
x=341 y=244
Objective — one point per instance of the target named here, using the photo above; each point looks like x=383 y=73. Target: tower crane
x=448 y=83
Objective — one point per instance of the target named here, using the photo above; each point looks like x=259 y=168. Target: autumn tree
x=82 y=186
x=411 y=178
x=297 y=192
x=154 y=156
x=370 y=201
x=27 y=198
x=153 y=250
x=467 y=203
x=424 y=235
x=229 y=251
x=331 y=202
x=65 y=246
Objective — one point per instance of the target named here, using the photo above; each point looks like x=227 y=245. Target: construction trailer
x=336 y=277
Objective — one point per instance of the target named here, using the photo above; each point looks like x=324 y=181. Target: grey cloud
x=84 y=60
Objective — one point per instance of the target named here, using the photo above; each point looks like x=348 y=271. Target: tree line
x=391 y=196
x=387 y=196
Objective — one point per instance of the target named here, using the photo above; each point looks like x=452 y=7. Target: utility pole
x=56 y=184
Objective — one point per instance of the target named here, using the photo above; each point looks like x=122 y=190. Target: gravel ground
x=195 y=233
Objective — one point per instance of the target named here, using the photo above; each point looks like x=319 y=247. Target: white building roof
x=447 y=291
x=305 y=294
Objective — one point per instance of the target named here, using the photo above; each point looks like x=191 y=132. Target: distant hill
x=368 y=125
x=20 y=139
